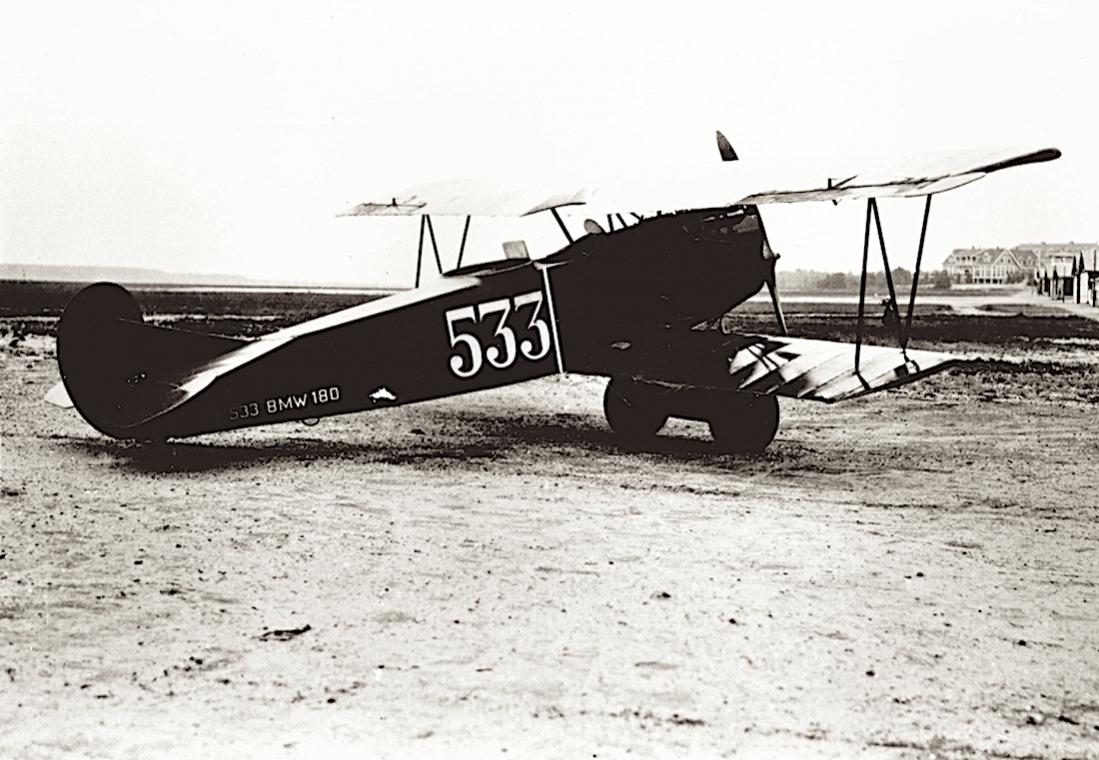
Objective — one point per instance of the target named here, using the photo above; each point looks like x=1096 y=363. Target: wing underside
x=823 y=370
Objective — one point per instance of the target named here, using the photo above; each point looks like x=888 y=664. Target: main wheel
x=746 y=426
x=633 y=410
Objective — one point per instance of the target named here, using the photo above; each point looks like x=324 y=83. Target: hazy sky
x=224 y=137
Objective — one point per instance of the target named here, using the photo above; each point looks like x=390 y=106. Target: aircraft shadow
x=432 y=439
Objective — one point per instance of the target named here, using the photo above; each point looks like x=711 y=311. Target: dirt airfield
x=908 y=575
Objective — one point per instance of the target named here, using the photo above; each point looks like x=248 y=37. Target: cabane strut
x=772 y=285
x=425 y=224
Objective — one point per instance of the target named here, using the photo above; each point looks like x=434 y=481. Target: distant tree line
x=802 y=279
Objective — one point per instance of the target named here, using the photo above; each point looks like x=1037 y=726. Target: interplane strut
x=904 y=329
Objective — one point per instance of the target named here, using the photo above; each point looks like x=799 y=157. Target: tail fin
x=118 y=371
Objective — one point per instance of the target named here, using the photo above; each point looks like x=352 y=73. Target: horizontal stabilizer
x=824 y=370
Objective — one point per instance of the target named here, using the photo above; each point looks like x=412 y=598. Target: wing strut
x=462 y=247
x=561 y=224
x=862 y=285
x=621 y=221
x=916 y=275
x=435 y=246
x=904 y=330
x=425 y=223
x=885 y=263
x=420 y=250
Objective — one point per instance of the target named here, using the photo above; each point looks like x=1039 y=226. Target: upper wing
x=733 y=184
x=934 y=175
x=472 y=197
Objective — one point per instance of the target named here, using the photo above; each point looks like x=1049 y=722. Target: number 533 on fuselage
x=638 y=298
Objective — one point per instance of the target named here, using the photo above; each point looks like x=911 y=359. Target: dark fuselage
x=609 y=304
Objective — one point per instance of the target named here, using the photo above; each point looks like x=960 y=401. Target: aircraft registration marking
x=533 y=344
x=287 y=403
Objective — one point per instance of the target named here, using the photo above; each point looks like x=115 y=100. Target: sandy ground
x=909 y=575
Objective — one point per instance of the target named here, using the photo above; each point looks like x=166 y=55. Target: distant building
x=1028 y=260
x=985 y=266
x=1051 y=266
x=1057 y=280
x=1057 y=262
x=1087 y=277
x=1045 y=250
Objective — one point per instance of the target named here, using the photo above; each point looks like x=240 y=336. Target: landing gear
x=740 y=423
x=745 y=424
x=633 y=410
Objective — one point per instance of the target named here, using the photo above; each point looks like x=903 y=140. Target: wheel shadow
x=464 y=439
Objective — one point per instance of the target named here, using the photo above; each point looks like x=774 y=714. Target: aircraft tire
x=747 y=426
x=632 y=411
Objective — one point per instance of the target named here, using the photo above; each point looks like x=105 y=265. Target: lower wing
x=825 y=370
x=764 y=365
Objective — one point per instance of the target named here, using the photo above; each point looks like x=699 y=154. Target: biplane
x=637 y=297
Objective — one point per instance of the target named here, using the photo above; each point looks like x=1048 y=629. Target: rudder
x=119 y=371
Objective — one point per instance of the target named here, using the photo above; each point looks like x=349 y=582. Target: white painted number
x=502 y=354
x=536 y=323
x=492 y=353
x=326 y=395
x=470 y=341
